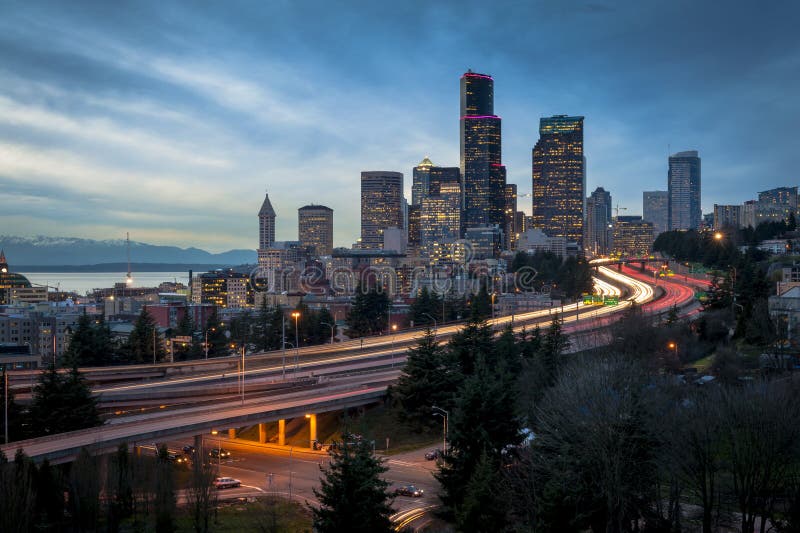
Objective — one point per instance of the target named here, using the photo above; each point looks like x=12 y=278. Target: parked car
x=408 y=490
x=435 y=454
x=226 y=483
x=189 y=449
x=219 y=453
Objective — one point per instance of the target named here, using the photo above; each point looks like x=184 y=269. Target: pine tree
x=471 y=342
x=483 y=508
x=428 y=379
x=143 y=340
x=15 y=415
x=353 y=496
x=62 y=403
x=368 y=313
x=481 y=304
x=80 y=351
x=215 y=337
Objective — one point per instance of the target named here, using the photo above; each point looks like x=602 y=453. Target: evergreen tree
x=80 y=351
x=484 y=507
x=144 y=343
x=428 y=379
x=49 y=497
x=353 y=497
x=165 y=502
x=215 y=337
x=481 y=304
x=185 y=326
x=483 y=422
x=369 y=312
x=471 y=342
x=62 y=403
x=15 y=414
x=553 y=346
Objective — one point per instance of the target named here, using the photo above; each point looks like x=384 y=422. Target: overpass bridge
x=337 y=378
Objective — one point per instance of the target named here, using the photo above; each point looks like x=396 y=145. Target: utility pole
x=5 y=425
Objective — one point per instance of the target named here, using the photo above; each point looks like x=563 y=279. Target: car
x=219 y=453
x=177 y=458
x=189 y=449
x=435 y=454
x=226 y=483
x=408 y=490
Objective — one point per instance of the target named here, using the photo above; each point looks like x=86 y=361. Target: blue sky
x=171 y=119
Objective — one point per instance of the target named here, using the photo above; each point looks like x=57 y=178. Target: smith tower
x=484 y=176
x=559 y=178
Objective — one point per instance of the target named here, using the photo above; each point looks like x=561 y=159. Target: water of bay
x=83 y=282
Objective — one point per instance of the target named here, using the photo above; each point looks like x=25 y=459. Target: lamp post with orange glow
x=394 y=332
x=674 y=347
x=296 y=316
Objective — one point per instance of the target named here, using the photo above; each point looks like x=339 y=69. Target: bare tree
x=760 y=437
x=17 y=494
x=200 y=493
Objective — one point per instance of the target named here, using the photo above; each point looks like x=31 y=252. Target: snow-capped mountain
x=47 y=251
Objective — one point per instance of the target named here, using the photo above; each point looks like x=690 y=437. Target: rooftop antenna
x=129 y=278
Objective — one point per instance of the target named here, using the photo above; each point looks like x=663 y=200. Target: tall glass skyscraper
x=381 y=206
x=315 y=228
x=598 y=222
x=559 y=178
x=484 y=176
x=684 y=191
x=655 y=209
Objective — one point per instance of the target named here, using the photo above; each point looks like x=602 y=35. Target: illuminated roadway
x=336 y=377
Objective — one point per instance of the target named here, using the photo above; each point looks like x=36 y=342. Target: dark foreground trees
x=353 y=496
x=61 y=402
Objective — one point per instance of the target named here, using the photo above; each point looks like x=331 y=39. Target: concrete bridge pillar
x=232 y=433
x=198 y=447
x=312 y=421
x=282 y=432
x=262 y=433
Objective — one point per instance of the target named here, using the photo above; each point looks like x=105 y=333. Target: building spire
x=3 y=263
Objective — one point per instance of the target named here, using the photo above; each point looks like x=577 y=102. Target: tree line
x=92 y=343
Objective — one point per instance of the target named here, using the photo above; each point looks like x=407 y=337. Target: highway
x=329 y=377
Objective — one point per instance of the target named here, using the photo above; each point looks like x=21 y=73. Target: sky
x=170 y=120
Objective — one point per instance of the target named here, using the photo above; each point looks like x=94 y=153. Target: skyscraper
x=510 y=212
x=440 y=216
x=655 y=209
x=266 y=224
x=381 y=206
x=421 y=181
x=315 y=228
x=684 y=190
x=598 y=222
x=484 y=176
x=559 y=177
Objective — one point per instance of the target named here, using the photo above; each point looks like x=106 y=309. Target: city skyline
x=170 y=122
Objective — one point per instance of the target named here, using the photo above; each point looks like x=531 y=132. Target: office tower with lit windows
x=632 y=237
x=482 y=171
x=266 y=224
x=315 y=228
x=684 y=191
x=381 y=206
x=440 y=216
x=559 y=178
x=510 y=212
x=598 y=222
x=655 y=209
x=727 y=216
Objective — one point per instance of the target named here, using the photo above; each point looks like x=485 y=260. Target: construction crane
x=618 y=208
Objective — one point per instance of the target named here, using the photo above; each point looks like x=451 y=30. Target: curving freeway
x=321 y=378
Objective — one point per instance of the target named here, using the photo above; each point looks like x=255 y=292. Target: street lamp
x=330 y=326
x=674 y=347
x=243 y=372
x=438 y=411
x=493 y=295
x=394 y=332
x=296 y=316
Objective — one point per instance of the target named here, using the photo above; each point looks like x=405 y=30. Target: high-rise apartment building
x=381 y=206
x=315 y=228
x=684 y=190
x=266 y=224
x=559 y=178
x=655 y=209
x=727 y=216
x=421 y=180
x=598 y=222
x=777 y=204
x=482 y=171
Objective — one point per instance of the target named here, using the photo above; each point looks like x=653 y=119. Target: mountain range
x=44 y=251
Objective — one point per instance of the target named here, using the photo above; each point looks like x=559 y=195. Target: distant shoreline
x=121 y=267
